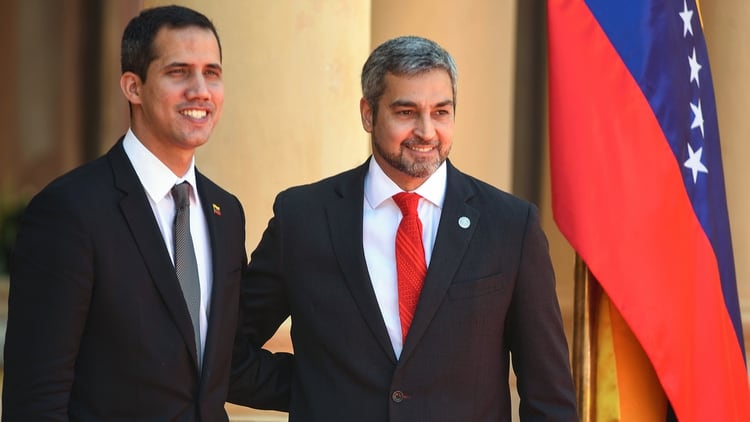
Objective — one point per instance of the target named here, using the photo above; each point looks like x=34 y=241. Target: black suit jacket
x=489 y=295
x=98 y=329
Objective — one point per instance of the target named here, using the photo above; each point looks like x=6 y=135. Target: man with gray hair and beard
x=411 y=285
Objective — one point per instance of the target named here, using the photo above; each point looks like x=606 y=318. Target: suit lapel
x=140 y=218
x=345 y=224
x=450 y=246
x=218 y=288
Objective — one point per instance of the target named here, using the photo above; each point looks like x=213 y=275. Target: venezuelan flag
x=638 y=191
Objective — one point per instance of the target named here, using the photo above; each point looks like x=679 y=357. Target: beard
x=419 y=168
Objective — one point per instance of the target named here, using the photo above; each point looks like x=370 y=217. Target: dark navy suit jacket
x=488 y=300
x=98 y=329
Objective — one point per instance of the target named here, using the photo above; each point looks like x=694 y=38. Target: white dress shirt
x=157 y=180
x=380 y=220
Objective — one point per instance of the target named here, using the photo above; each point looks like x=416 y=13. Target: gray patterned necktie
x=185 y=263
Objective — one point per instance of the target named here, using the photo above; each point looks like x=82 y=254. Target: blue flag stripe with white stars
x=662 y=45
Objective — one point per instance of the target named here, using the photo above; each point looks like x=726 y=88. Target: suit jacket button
x=397 y=396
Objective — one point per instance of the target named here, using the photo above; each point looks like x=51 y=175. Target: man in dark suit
x=100 y=326
x=332 y=259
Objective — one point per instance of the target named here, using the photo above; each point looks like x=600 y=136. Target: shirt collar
x=157 y=179
x=379 y=187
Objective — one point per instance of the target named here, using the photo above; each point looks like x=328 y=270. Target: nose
x=198 y=87
x=425 y=127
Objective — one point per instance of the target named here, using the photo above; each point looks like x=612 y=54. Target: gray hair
x=404 y=56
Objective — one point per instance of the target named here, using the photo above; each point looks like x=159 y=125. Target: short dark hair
x=406 y=55
x=137 y=49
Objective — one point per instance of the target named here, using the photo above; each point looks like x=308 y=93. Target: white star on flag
x=698 y=120
x=694 y=162
x=687 y=17
x=695 y=67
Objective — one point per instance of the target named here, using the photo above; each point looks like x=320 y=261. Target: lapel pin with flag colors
x=216 y=208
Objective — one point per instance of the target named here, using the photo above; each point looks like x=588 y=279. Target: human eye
x=176 y=71
x=213 y=72
x=443 y=112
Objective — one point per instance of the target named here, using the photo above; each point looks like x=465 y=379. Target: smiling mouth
x=420 y=148
x=195 y=114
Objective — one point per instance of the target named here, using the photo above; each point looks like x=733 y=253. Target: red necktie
x=410 y=261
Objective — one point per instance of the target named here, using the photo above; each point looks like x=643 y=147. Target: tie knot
x=407 y=202
x=181 y=195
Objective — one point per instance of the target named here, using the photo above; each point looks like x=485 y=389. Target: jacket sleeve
x=262 y=379
x=51 y=284
x=539 y=348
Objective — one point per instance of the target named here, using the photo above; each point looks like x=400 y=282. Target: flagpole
x=583 y=370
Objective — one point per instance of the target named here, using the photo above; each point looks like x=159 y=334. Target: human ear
x=365 y=112
x=130 y=84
